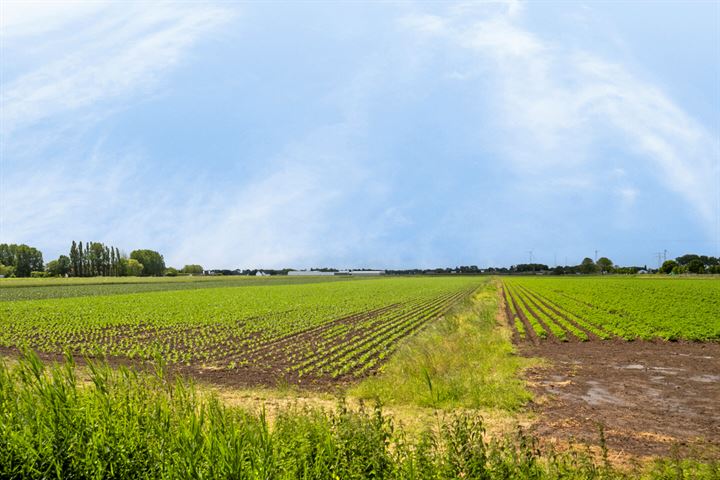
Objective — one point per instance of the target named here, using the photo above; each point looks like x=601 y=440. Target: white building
x=315 y=273
x=309 y=273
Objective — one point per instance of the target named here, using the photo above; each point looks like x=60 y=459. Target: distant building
x=310 y=273
x=356 y=273
x=260 y=273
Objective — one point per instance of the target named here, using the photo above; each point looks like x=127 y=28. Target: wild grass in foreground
x=124 y=424
x=463 y=360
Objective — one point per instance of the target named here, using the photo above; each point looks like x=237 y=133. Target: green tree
x=25 y=259
x=605 y=264
x=7 y=254
x=59 y=267
x=134 y=268
x=696 y=266
x=153 y=263
x=7 y=270
x=97 y=259
x=587 y=266
x=122 y=267
x=118 y=263
x=193 y=269
x=171 y=272
x=81 y=260
x=74 y=258
x=668 y=266
x=686 y=259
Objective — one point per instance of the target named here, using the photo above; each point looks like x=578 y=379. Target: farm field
x=571 y=309
x=390 y=338
x=639 y=355
x=39 y=288
x=317 y=332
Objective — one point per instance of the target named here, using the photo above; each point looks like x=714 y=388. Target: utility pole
x=596 y=255
x=531 y=261
x=659 y=256
x=665 y=255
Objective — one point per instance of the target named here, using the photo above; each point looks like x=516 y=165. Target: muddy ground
x=653 y=398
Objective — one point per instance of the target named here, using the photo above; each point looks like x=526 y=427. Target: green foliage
x=588 y=266
x=133 y=268
x=27 y=289
x=464 y=359
x=126 y=425
x=59 y=267
x=171 y=272
x=696 y=266
x=152 y=262
x=22 y=258
x=193 y=269
x=351 y=327
x=646 y=308
x=605 y=264
x=668 y=266
x=7 y=271
x=94 y=260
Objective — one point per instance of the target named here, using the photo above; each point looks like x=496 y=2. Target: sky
x=363 y=134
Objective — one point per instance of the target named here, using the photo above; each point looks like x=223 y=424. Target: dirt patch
x=652 y=398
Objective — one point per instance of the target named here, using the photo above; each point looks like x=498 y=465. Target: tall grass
x=463 y=360
x=121 y=424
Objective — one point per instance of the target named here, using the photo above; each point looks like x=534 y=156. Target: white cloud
x=560 y=107
x=26 y=18
x=121 y=49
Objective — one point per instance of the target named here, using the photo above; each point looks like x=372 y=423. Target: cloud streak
x=129 y=49
x=566 y=104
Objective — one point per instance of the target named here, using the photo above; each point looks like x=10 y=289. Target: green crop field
x=601 y=308
x=303 y=329
x=39 y=288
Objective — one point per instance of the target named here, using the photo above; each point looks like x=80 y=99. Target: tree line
x=95 y=259
x=91 y=259
x=20 y=260
x=691 y=263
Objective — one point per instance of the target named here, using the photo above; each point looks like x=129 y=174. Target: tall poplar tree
x=81 y=261
x=74 y=259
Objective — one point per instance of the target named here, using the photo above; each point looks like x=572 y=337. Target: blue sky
x=369 y=134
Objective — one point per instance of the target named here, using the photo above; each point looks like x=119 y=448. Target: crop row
x=39 y=289
x=332 y=329
x=628 y=308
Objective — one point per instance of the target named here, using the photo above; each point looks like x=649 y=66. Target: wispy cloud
x=89 y=60
x=120 y=50
x=414 y=149
x=561 y=106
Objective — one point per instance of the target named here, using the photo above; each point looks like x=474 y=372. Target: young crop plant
x=524 y=312
x=553 y=316
x=631 y=307
x=322 y=331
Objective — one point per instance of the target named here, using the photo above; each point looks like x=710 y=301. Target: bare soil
x=652 y=398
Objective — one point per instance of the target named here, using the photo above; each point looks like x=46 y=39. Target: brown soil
x=268 y=363
x=652 y=398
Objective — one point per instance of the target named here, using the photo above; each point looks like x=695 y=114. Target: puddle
x=706 y=378
x=597 y=395
x=668 y=370
x=634 y=366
